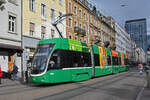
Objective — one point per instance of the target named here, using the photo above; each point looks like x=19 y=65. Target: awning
x=11 y=49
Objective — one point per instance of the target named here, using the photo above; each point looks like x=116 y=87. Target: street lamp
x=123 y=5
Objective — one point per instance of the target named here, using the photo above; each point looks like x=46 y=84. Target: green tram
x=62 y=60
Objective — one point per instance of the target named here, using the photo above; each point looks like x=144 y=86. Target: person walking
x=141 y=68
x=1 y=74
x=15 y=71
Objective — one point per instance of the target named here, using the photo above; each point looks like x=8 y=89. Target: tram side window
x=85 y=59
x=115 y=60
x=53 y=63
x=74 y=59
x=96 y=60
x=119 y=60
x=126 y=62
x=66 y=59
x=109 y=60
x=80 y=59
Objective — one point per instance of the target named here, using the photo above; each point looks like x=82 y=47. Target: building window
x=95 y=22
x=43 y=32
x=75 y=24
x=80 y=26
x=32 y=5
x=32 y=29
x=81 y=40
x=75 y=10
x=60 y=2
x=91 y=32
x=52 y=14
x=70 y=37
x=76 y=38
x=90 y=19
x=52 y=33
x=84 y=16
x=70 y=7
x=84 y=27
x=80 y=12
x=43 y=11
x=70 y=22
x=12 y=24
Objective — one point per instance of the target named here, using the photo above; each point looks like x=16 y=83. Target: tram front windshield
x=40 y=58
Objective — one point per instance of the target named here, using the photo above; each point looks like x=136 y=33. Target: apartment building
x=37 y=19
x=87 y=24
x=10 y=34
x=77 y=25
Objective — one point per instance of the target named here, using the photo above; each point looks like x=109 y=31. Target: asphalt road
x=122 y=86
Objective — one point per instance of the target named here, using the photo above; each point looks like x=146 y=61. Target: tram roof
x=67 y=44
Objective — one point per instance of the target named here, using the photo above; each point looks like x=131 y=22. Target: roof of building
x=135 y=20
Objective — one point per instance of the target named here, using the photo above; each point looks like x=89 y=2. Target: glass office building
x=138 y=30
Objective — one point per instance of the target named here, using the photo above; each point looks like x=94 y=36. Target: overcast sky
x=133 y=9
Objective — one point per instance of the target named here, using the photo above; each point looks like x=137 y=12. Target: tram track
x=82 y=89
x=77 y=89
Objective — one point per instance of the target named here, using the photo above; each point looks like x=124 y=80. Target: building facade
x=120 y=39
x=87 y=24
x=141 y=56
x=128 y=41
x=77 y=25
x=111 y=31
x=123 y=41
x=10 y=34
x=133 y=52
x=138 y=30
x=37 y=19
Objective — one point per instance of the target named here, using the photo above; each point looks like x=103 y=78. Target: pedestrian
x=15 y=71
x=141 y=68
x=1 y=74
x=146 y=68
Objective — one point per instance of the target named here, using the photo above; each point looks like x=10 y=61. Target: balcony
x=79 y=31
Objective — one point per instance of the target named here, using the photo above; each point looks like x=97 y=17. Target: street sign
x=26 y=55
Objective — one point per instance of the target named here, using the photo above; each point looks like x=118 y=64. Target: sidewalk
x=145 y=94
x=8 y=83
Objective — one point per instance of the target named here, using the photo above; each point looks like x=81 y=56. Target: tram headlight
x=33 y=79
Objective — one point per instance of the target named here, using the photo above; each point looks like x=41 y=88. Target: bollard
x=26 y=75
